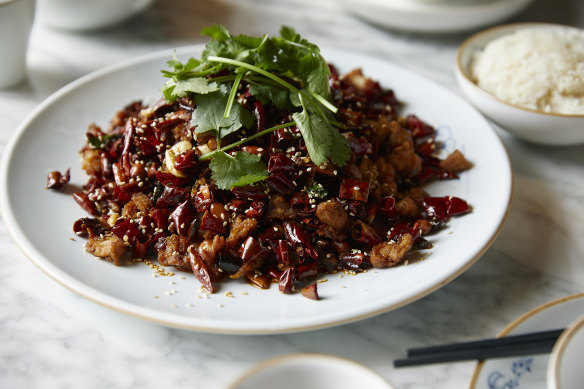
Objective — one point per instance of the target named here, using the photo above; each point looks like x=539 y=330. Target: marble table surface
x=53 y=338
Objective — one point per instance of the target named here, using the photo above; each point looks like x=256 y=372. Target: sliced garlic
x=170 y=156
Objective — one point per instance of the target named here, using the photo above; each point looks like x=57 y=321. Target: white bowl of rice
x=528 y=78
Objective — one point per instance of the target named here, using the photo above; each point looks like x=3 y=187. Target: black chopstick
x=516 y=345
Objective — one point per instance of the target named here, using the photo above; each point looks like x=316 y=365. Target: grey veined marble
x=52 y=338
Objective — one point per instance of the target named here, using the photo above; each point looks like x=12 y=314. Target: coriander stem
x=254 y=68
x=191 y=74
x=324 y=102
x=275 y=78
x=232 y=94
x=244 y=140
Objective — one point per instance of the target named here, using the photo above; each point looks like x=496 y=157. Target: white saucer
x=435 y=16
x=529 y=371
x=310 y=371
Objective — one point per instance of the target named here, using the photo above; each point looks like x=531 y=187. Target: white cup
x=565 y=369
x=16 y=17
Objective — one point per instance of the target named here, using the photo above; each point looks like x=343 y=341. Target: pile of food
x=261 y=162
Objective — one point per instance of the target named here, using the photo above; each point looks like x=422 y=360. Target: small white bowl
x=565 y=365
x=310 y=371
x=82 y=15
x=531 y=125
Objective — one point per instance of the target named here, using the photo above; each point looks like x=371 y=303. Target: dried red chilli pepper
x=200 y=269
x=415 y=230
x=56 y=180
x=310 y=292
x=387 y=207
x=419 y=128
x=351 y=189
x=169 y=179
x=185 y=162
x=204 y=198
x=296 y=235
x=182 y=216
x=126 y=230
x=258 y=111
x=280 y=183
x=364 y=233
x=286 y=281
x=172 y=196
x=140 y=249
x=280 y=163
x=306 y=270
x=106 y=165
x=300 y=203
x=82 y=199
x=270 y=234
x=160 y=218
x=87 y=226
x=441 y=207
x=238 y=205
x=305 y=176
x=281 y=250
x=354 y=260
x=360 y=146
x=211 y=223
x=256 y=209
x=252 y=254
x=146 y=223
x=249 y=192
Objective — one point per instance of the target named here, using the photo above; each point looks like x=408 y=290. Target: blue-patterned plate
x=529 y=371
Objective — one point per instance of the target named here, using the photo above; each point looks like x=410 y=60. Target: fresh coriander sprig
x=287 y=72
x=322 y=140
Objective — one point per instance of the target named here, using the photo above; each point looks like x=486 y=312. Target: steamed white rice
x=536 y=68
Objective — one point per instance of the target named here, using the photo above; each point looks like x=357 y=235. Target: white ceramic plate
x=565 y=364
x=435 y=16
x=310 y=371
x=528 y=371
x=40 y=221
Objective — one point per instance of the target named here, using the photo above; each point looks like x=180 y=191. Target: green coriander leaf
x=182 y=81
x=209 y=114
x=322 y=140
x=288 y=33
x=198 y=85
x=222 y=44
x=238 y=170
x=174 y=89
x=271 y=94
x=167 y=90
x=217 y=32
x=312 y=65
x=178 y=69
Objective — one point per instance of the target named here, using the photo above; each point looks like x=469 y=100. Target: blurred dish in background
x=529 y=371
x=565 y=365
x=16 y=18
x=540 y=127
x=310 y=371
x=87 y=14
x=435 y=15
